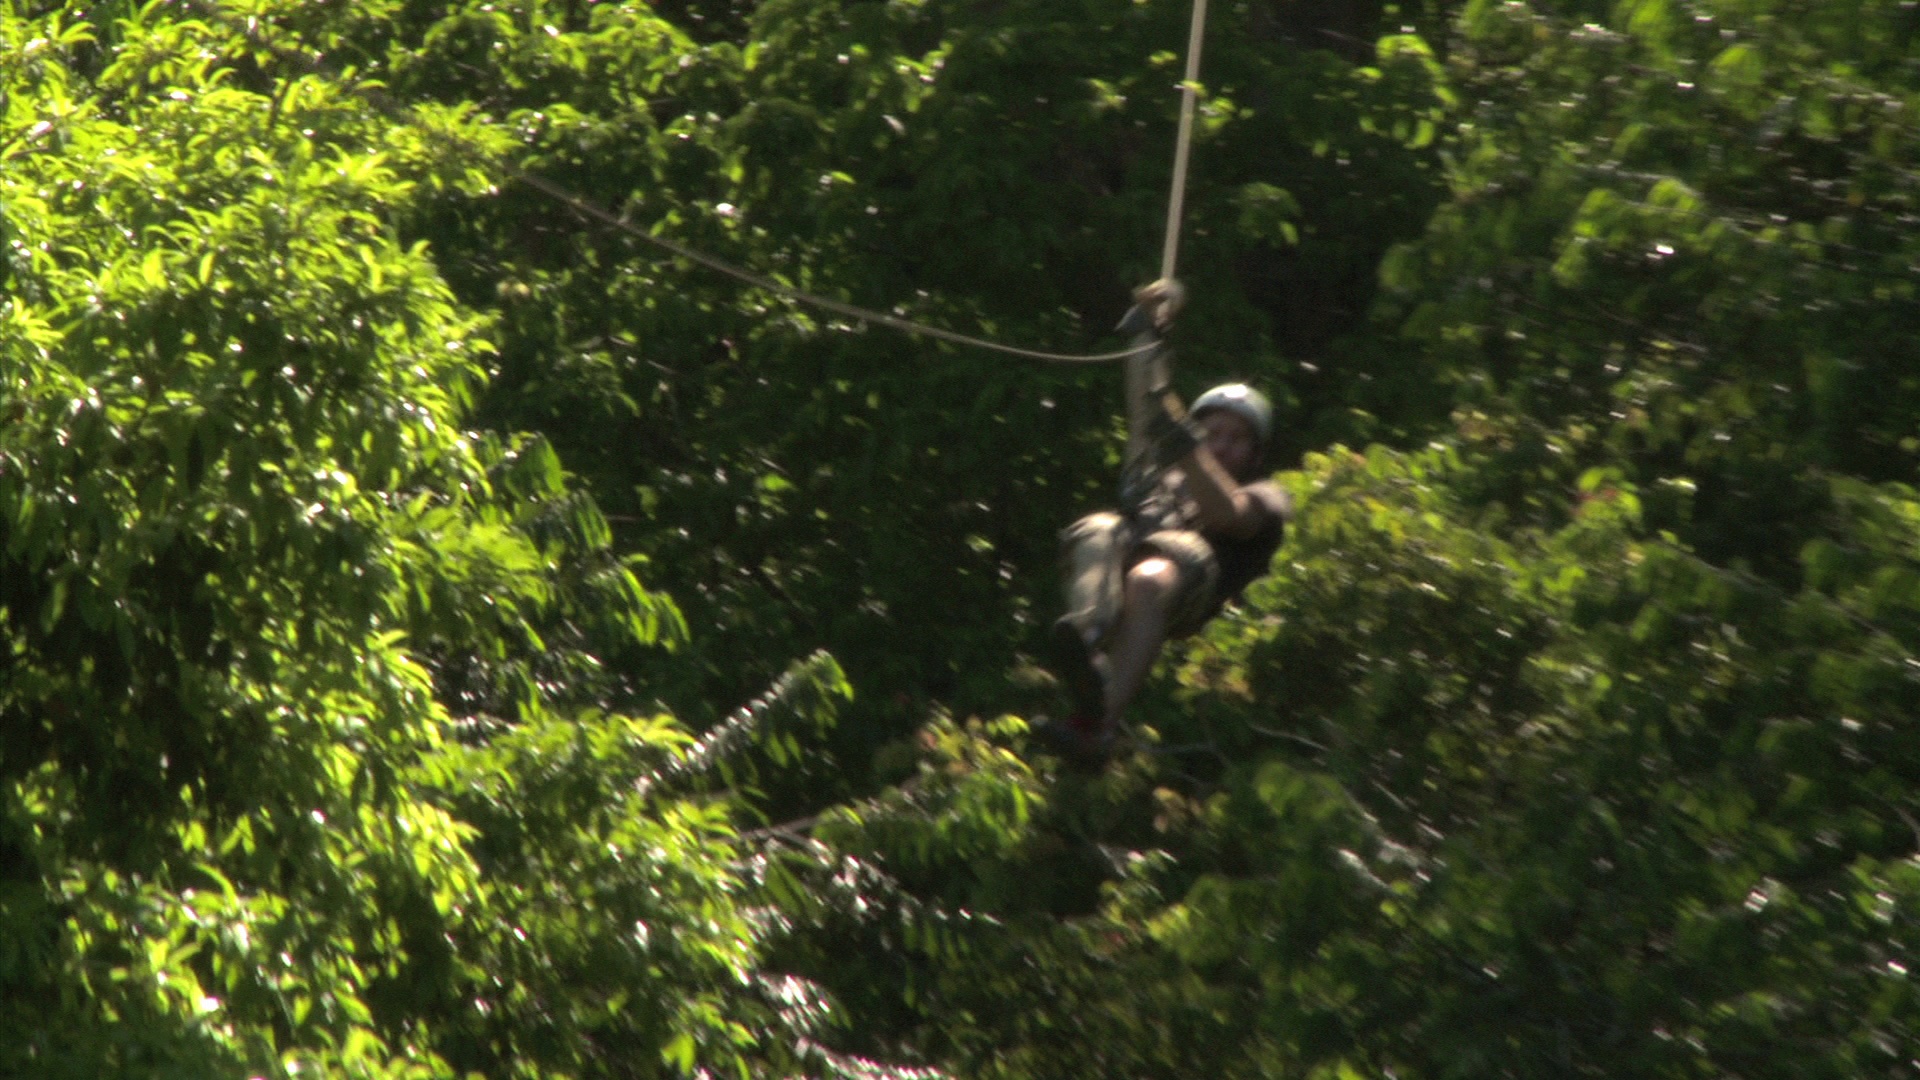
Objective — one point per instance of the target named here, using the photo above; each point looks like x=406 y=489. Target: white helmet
x=1243 y=401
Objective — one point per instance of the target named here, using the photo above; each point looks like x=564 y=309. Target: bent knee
x=1153 y=578
x=1102 y=526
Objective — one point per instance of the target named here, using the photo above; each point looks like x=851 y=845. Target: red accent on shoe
x=1087 y=727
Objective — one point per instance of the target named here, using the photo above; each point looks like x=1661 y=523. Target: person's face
x=1231 y=441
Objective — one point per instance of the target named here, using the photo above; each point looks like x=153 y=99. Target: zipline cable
x=838 y=307
x=382 y=103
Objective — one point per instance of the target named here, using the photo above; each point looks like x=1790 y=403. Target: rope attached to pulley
x=1183 y=142
x=1148 y=369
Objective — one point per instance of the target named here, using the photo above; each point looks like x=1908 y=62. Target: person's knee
x=1099 y=528
x=1152 y=580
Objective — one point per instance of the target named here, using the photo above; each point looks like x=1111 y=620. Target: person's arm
x=1225 y=506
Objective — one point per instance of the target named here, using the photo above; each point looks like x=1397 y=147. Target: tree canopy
x=446 y=635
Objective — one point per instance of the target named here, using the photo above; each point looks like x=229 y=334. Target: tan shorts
x=1097 y=551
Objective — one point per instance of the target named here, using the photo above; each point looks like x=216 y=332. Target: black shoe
x=1082 y=742
x=1073 y=664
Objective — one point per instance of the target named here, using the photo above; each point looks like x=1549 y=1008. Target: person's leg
x=1091 y=552
x=1150 y=587
x=1090 y=565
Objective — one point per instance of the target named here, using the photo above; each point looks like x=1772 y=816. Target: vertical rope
x=1183 y=143
x=1147 y=372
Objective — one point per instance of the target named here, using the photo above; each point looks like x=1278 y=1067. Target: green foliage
x=306 y=761
x=996 y=169
x=338 y=732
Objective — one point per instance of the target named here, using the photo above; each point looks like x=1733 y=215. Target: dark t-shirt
x=1241 y=559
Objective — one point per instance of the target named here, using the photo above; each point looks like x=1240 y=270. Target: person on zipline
x=1136 y=581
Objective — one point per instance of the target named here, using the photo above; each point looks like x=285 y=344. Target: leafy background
x=445 y=636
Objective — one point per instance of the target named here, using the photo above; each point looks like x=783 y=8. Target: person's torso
x=1241 y=558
